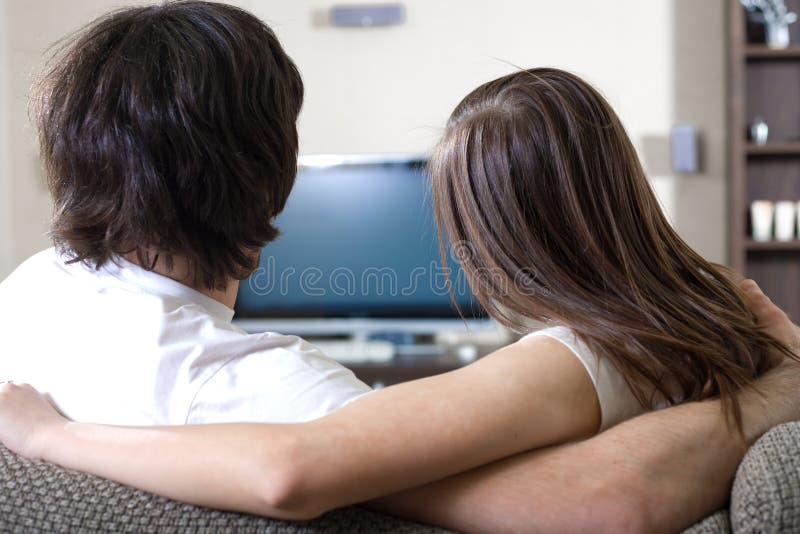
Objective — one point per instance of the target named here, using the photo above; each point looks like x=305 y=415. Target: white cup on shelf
x=785 y=220
x=761 y=217
x=797 y=211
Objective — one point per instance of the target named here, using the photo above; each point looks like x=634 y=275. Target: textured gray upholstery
x=766 y=492
x=718 y=523
x=40 y=497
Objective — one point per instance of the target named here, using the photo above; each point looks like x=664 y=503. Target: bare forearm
x=221 y=466
x=418 y=432
x=658 y=472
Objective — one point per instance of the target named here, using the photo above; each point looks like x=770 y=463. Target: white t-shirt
x=617 y=402
x=122 y=345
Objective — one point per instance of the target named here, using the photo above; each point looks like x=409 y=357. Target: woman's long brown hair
x=540 y=190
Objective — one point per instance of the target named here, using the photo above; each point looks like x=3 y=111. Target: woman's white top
x=616 y=399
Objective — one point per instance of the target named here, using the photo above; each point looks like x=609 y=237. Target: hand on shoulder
x=774 y=320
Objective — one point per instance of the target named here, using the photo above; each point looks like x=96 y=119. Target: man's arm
x=659 y=472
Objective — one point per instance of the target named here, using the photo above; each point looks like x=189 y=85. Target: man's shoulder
x=274 y=378
x=37 y=263
x=272 y=349
x=41 y=273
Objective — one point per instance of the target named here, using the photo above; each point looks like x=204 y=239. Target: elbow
x=285 y=484
x=281 y=499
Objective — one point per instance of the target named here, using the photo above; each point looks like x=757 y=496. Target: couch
x=41 y=497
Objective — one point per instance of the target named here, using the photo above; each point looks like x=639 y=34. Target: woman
x=535 y=173
x=538 y=185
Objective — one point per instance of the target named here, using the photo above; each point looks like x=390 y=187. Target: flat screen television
x=358 y=250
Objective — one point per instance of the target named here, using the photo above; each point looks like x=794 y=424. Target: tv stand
x=379 y=375
x=357 y=349
x=383 y=352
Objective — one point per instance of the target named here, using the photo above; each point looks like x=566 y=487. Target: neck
x=179 y=272
x=226 y=296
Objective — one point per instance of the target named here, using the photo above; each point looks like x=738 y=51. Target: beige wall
x=32 y=26
x=659 y=62
x=6 y=242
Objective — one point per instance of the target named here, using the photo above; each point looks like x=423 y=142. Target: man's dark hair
x=170 y=129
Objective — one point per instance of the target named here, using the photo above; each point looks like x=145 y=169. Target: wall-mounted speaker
x=684 y=148
x=368 y=15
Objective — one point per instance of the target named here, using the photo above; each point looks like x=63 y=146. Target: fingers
x=759 y=303
x=767 y=313
x=9 y=386
x=769 y=316
x=748 y=285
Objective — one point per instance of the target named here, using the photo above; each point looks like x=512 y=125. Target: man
x=169 y=137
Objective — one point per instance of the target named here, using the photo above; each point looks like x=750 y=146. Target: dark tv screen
x=358 y=239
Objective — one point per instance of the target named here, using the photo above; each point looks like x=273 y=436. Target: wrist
x=755 y=416
x=771 y=400
x=44 y=441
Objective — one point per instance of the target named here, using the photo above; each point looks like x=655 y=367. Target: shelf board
x=772 y=245
x=790 y=148
x=755 y=52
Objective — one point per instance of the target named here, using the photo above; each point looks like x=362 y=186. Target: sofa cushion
x=766 y=492
x=717 y=523
x=41 y=497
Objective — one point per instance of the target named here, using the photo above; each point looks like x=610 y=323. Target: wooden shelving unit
x=773 y=245
x=791 y=148
x=764 y=83
x=756 y=52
